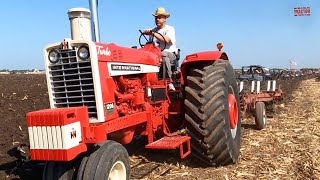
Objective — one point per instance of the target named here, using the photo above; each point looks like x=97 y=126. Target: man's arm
x=166 y=39
x=160 y=38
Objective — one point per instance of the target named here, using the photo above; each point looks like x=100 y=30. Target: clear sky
x=253 y=31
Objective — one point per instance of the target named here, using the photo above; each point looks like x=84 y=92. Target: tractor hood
x=114 y=53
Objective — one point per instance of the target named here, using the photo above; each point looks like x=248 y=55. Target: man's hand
x=148 y=32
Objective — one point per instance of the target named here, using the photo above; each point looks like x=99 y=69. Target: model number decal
x=117 y=67
x=109 y=108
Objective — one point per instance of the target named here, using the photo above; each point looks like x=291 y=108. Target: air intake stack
x=80 y=24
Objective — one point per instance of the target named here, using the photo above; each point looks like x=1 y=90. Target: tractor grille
x=72 y=82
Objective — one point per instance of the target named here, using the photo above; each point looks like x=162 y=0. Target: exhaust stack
x=95 y=20
x=80 y=24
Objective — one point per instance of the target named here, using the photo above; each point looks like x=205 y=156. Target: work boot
x=171 y=87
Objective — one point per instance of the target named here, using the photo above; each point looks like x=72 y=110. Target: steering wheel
x=142 y=34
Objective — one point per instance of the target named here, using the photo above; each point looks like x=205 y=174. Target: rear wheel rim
x=118 y=171
x=233 y=113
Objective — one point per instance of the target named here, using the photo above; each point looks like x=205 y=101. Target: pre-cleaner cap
x=79 y=12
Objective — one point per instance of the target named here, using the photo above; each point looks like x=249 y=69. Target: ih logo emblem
x=65 y=44
x=73 y=133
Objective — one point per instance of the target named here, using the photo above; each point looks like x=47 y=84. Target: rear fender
x=200 y=57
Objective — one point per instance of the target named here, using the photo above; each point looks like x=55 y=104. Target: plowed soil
x=19 y=94
x=289 y=148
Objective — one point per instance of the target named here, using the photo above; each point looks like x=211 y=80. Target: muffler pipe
x=95 y=21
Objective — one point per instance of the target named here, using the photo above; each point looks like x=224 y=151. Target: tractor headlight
x=54 y=56
x=83 y=52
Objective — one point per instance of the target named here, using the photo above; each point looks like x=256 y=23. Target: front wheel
x=58 y=170
x=110 y=160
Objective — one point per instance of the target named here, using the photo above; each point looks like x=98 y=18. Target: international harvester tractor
x=102 y=96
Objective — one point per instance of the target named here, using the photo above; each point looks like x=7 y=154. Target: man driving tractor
x=167 y=42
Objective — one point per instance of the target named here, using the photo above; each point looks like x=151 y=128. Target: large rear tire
x=212 y=110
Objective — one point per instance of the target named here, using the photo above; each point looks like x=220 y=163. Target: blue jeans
x=167 y=58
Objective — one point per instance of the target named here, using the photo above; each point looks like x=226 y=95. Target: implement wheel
x=212 y=110
x=260 y=115
x=109 y=161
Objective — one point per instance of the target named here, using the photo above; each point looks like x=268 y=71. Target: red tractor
x=103 y=95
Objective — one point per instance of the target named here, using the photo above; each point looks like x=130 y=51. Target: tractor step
x=173 y=142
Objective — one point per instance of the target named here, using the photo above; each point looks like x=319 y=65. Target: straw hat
x=161 y=11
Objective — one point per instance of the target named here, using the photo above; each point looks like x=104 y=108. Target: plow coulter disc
x=212 y=112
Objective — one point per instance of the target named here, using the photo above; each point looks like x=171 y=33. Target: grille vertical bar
x=72 y=82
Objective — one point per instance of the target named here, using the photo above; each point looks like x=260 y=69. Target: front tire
x=212 y=108
x=109 y=161
x=58 y=170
